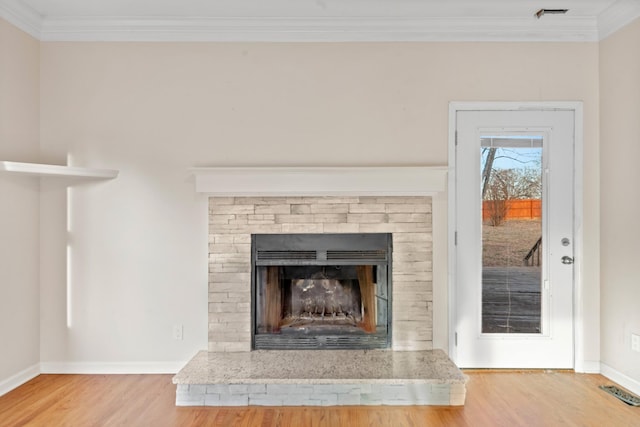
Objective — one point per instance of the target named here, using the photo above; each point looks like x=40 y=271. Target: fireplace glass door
x=321 y=291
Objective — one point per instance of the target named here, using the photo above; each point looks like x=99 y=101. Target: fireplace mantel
x=320 y=181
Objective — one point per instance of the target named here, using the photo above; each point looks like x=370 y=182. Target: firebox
x=321 y=291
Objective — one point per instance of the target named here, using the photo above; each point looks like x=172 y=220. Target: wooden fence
x=516 y=209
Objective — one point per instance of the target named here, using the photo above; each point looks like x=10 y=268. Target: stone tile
x=228 y=287
x=190 y=400
x=410 y=217
x=330 y=200
x=218 y=209
x=407 y=256
x=300 y=209
x=269 y=400
x=371 y=399
x=349 y=399
x=329 y=208
x=367 y=208
x=413 y=277
x=311 y=219
x=232 y=327
x=302 y=228
x=238 y=388
x=261 y=200
x=273 y=209
x=231 y=278
x=341 y=228
x=394 y=228
x=218 y=389
x=234 y=400
x=222 y=307
x=230 y=248
x=280 y=388
x=367 y=218
x=229 y=268
x=212 y=400
x=412 y=238
x=413 y=266
x=213 y=201
x=221 y=219
x=408 y=208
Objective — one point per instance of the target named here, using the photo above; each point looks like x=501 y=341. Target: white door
x=514 y=214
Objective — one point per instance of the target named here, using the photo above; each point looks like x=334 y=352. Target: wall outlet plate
x=177 y=332
x=635 y=342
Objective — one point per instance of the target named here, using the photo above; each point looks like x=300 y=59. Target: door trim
x=578 y=313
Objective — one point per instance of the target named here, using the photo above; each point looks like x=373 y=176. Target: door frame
x=578 y=312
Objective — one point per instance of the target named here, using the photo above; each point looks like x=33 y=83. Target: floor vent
x=626 y=397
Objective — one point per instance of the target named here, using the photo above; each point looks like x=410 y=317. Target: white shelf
x=56 y=170
x=321 y=181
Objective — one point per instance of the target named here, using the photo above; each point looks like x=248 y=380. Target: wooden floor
x=494 y=398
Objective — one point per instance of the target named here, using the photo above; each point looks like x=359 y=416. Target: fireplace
x=321 y=291
x=234 y=221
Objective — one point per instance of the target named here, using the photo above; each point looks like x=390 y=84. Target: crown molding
x=22 y=16
x=618 y=15
x=314 y=29
x=321 y=29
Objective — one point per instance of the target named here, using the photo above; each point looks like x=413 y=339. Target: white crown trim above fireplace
x=321 y=181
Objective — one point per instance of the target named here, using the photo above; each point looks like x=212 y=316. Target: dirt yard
x=507 y=244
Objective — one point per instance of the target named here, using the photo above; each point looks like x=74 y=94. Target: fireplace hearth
x=321 y=291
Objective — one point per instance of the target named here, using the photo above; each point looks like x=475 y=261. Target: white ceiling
x=318 y=20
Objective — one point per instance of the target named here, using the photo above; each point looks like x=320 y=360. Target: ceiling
x=318 y=20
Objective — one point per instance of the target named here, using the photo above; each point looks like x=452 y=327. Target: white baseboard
x=590 y=367
x=111 y=367
x=18 y=379
x=625 y=381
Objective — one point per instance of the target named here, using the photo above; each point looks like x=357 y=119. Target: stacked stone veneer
x=232 y=220
x=320 y=394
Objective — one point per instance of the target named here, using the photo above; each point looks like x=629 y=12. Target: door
x=514 y=214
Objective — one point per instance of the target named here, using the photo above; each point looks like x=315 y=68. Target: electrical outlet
x=177 y=332
x=635 y=342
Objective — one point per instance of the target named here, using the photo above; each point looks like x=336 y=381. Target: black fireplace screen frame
x=340 y=249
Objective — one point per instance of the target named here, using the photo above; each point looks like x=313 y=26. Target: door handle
x=567 y=260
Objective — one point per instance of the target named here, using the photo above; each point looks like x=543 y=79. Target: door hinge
x=456 y=339
x=455 y=137
x=455 y=238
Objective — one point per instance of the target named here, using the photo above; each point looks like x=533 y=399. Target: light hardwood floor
x=494 y=398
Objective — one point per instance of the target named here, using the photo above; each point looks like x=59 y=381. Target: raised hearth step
x=320 y=378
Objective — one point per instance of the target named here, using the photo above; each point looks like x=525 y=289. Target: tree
x=501 y=184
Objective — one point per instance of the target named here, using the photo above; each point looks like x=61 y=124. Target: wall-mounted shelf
x=321 y=181
x=57 y=170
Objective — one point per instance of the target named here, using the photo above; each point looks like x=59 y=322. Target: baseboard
x=18 y=379
x=111 y=367
x=590 y=367
x=625 y=381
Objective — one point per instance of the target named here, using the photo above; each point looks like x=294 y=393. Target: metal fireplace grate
x=377 y=255
x=286 y=255
x=320 y=342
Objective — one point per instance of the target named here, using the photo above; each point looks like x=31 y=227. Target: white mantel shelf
x=45 y=170
x=321 y=181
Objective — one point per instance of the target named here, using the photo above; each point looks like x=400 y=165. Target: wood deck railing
x=533 y=256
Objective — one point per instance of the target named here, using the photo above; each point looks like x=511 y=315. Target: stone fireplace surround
x=232 y=220
x=336 y=200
